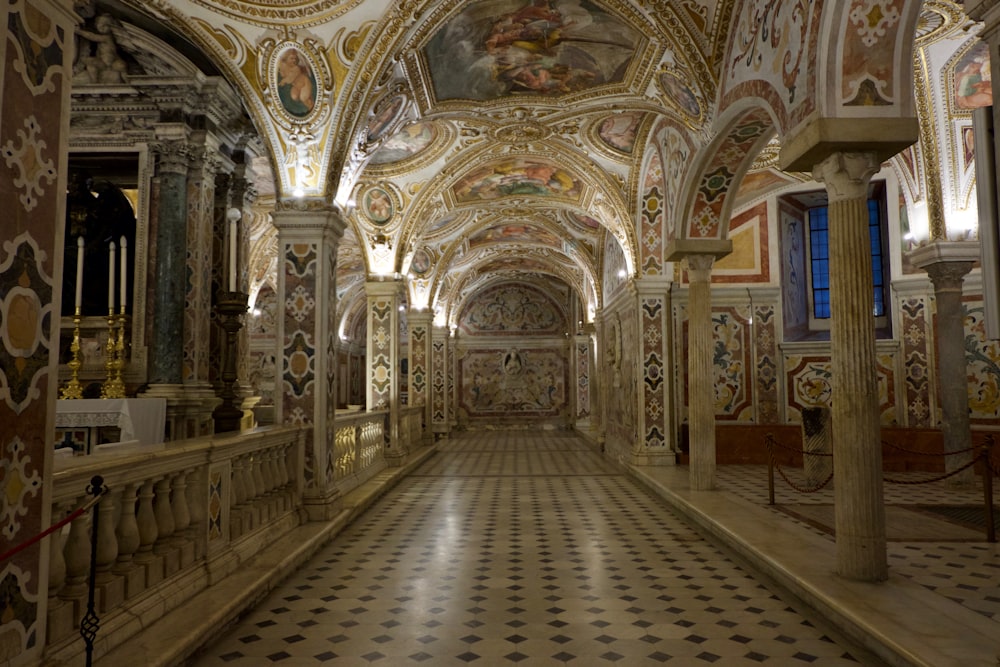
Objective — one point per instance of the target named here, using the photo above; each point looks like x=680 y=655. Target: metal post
x=770 y=469
x=89 y=624
x=991 y=529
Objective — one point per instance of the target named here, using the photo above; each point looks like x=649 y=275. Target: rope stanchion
x=90 y=623
x=72 y=516
x=769 y=441
x=772 y=465
x=987 y=456
x=929 y=480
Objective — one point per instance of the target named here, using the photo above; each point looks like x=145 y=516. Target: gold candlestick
x=113 y=386
x=120 y=352
x=73 y=388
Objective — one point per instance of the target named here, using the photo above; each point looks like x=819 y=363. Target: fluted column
x=857 y=449
x=701 y=388
x=947 y=263
x=308 y=234
x=384 y=299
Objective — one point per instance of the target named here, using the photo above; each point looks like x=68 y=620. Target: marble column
x=439 y=382
x=308 y=234
x=858 y=495
x=420 y=357
x=701 y=387
x=166 y=354
x=947 y=263
x=384 y=299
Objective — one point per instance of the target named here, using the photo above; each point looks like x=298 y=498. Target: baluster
x=57 y=608
x=107 y=541
x=270 y=469
x=164 y=515
x=179 y=504
x=197 y=496
x=239 y=495
x=258 y=477
x=127 y=531
x=146 y=518
x=248 y=481
x=76 y=553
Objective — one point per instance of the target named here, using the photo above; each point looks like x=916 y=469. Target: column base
x=653 y=458
x=322 y=504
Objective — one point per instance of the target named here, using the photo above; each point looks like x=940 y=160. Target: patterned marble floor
x=965 y=570
x=522 y=549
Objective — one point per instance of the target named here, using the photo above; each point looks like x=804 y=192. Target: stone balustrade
x=176 y=519
x=359 y=448
x=411 y=427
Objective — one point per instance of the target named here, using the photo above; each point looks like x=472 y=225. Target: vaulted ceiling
x=468 y=141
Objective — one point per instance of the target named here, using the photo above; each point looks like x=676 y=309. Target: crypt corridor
x=518 y=276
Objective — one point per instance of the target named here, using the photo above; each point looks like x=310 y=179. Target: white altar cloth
x=141 y=419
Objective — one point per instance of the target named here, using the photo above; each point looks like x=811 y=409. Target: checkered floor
x=524 y=549
x=965 y=571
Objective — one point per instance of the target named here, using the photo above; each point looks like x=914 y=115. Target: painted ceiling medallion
x=523 y=133
x=528 y=48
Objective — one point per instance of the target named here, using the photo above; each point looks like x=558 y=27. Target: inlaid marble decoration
x=582 y=380
x=512 y=309
x=766 y=360
x=381 y=330
x=809 y=383
x=868 y=64
x=782 y=71
x=914 y=339
x=716 y=182
x=439 y=360
x=418 y=364
x=620 y=380
x=654 y=385
x=298 y=372
x=513 y=382
x=983 y=358
x=651 y=217
x=732 y=363
x=750 y=260
x=32 y=189
x=215 y=505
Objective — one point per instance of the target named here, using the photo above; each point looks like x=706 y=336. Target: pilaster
x=384 y=300
x=420 y=323
x=308 y=234
x=657 y=443
x=440 y=412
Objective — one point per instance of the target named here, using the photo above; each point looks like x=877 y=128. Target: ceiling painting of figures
x=516 y=177
x=529 y=47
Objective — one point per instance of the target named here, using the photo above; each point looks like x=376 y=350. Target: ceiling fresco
x=460 y=139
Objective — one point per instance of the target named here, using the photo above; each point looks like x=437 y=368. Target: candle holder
x=73 y=388
x=120 y=360
x=113 y=386
x=231 y=307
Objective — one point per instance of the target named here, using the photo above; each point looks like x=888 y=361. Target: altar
x=85 y=423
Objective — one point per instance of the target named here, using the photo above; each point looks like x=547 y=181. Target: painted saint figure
x=296 y=84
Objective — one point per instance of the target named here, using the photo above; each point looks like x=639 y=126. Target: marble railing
x=359 y=448
x=411 y=427
x=177 y=519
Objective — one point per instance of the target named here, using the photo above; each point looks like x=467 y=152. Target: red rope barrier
x=51 y=529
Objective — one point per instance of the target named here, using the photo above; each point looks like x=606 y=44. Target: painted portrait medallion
x=524 y=47
x=384 y=117
x=295 y=82
x=421 y=262
x=678 y=92
x=619 y=131
x=378 y=205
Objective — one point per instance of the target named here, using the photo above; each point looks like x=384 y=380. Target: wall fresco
x=983 y=357
x=515 y=177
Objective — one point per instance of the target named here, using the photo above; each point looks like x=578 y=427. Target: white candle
x=124 y=282
x=79 y=273
x=233 y=231
x=111 y=279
